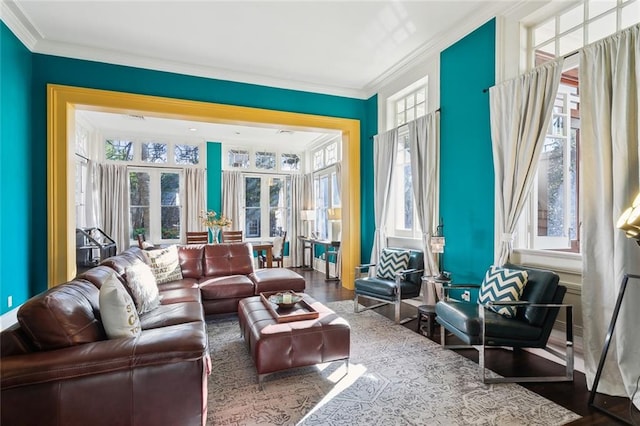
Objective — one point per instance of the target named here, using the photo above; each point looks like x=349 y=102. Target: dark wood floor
x=573 y=396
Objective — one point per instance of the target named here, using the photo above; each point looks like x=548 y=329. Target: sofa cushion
x=191 y=260
x=142 y=287
x=119 y=315
x=226 y=259
x=232 y=286
x=62 y=316
x=277 y=279
x=172 y=314
x=502 y=285
x=165 y=264
x=392 y=262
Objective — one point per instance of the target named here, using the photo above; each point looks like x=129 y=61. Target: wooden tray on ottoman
x=301 y=311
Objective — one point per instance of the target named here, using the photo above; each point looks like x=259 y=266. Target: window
x=551 y=220
x=154 y=152
x=238 y=158
x=573 y=28
x=120 y=150
x=326 y=155
x=186 y=154
x=266 y=160
x=411 y=106
x=554 y=214
x=290 y=162
x=326 y=189
x=155 y=209
x=267 y=206
x=403 y=221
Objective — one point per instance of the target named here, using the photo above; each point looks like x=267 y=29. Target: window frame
x=154 y=233
x=265 y=206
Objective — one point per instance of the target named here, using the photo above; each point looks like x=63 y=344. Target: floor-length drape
x=232 y=190
x=520 y=113
x=194 y=198
x=114 y=203
x=609 y=104
x=424 y=148
x=297 y=225
x=384 y=155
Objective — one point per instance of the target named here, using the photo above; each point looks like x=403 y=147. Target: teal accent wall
x=214 y=176
x=466 y=174
x=367 y=224
x=46 y=69
x=15 y=172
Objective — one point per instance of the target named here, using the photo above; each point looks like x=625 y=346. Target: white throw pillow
x=143 y=287
x=118 y=312
x=164 y=264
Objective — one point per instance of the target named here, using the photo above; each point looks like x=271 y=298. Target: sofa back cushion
x=191 y=260
x=62 y=316
x=228 y=259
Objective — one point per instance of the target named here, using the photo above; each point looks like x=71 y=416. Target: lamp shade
x=629 y=220
x=437 y=244
x=308 y=215
x=334 y=214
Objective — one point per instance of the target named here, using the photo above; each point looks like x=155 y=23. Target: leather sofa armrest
x=166 y=345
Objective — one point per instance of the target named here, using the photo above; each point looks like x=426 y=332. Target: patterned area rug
x=395 y=377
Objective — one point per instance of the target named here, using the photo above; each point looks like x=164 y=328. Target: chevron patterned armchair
x=527 y=323
x=397 y=276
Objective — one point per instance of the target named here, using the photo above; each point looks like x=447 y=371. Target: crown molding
x=19 y=24
x=437 y=44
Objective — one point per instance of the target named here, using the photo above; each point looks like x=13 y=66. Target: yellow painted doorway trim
x=62 y=102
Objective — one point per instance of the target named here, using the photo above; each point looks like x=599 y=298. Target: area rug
x=395 y=377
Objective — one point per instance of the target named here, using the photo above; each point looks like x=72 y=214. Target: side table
x=427 y=313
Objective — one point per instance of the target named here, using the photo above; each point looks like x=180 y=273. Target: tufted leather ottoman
x=279 y=346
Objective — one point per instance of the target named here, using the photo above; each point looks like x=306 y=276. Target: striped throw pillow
x=391 y=262
x=503 y=285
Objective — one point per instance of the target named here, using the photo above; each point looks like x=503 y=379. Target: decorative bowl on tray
x=285 y=300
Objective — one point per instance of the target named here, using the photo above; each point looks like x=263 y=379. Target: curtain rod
x=82 y=156
x=433 y=112
x=567 y=56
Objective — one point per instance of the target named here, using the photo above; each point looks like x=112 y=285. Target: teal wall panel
x=214 y=176
x=15 y=172
x=466 y=175
x=368 y=227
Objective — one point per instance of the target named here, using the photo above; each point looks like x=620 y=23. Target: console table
x=307 y=243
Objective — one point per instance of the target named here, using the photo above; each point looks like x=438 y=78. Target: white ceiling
x=160 y=129
x=340 y=47
x=348 y=47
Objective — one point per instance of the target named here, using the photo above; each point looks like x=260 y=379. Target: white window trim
x=154 y=234
x=264 y=204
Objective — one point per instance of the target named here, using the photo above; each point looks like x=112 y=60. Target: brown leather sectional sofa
x=58 y=367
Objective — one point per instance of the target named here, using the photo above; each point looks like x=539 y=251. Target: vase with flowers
x=214 y=222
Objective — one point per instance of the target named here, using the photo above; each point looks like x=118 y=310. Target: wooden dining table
x=267 y=247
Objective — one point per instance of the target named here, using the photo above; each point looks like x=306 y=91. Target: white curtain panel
x=92 y=194
x=297 y=225
x=609 y=104
x=424 y=147
x=384 y=157
x=114 y=203
x=232 y=195
x=194 y=197
x=520 y=113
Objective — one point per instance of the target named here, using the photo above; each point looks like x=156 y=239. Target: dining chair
x=232 y=236
x=278 y=252
x=197 y=237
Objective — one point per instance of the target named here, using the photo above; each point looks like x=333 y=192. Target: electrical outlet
x=466 y=295
x=9 y=301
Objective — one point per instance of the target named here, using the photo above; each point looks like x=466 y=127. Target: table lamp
x=308 y=216
x=335 y=217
